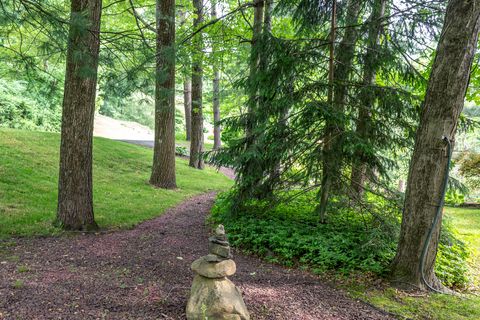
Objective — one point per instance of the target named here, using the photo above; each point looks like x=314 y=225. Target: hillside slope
x=122 y=195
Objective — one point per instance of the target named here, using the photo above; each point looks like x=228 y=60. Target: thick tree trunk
x=187 y=103
x=196 y=144
x=163 y=169
x=333 y=129
x=217 y=142
x=367 y=99
x=442 y=106
x=75 y=203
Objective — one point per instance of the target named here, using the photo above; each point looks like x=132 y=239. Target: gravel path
x=144 y=274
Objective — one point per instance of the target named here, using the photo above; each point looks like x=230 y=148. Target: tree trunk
x=75 y=203
x=332 y=149
x=217 y=143
x=187 y=103
x=196 y=145
x=442 y=106
x=163 y=169
x=367 y=99
x=267 y=19
x=326 y=178
x=254 y=65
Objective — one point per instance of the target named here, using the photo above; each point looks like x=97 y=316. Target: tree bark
x=267 y=17
x=332 y=149
x=326 y=178
x=163 y=169
x=75 y=202
x=442 y=106
x=367 y=99
x=217 y=142
x=187 y=103
x=196 y=145
x=254 y=65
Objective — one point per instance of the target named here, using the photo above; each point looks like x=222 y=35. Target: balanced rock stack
x=213 y=296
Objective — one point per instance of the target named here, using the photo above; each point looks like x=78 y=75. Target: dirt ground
x=120 y=130
x=144 y=273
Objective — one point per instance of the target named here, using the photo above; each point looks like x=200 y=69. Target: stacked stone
x=213 y=296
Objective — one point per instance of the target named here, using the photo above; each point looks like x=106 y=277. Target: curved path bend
x=144 y=273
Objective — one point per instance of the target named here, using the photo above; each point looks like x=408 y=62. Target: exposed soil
x=144 y=273
x=120 y=129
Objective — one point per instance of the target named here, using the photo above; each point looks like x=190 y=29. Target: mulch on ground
x=144 y=273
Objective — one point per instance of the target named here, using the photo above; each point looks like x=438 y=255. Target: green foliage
x=181 y=151
x=470 y=168
x=19 y=109
x=289 y=234
x=454 y=198
x=420 y=307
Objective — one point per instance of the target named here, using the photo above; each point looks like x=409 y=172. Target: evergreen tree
x=216 y=91
x=196 y=144
x=163 y=169
x=75 y=185
x=367 y=97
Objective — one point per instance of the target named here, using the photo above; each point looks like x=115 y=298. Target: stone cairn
x=213 y=296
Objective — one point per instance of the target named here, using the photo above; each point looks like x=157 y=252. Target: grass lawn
x=182 y=142
x=122 y=195
x=436 y=306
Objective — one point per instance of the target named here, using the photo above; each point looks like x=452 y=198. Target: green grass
x=435 y=306
x=467 y=223
x=181 y=141
x=122 y=195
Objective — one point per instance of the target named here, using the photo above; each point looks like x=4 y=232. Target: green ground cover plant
x=351 y=241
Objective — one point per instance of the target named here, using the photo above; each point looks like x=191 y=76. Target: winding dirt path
x=144 y=274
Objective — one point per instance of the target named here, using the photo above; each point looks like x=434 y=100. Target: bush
x=181 y=151
x=289 y=234
x=19 y=110
x=454 y=198
x=451 y=265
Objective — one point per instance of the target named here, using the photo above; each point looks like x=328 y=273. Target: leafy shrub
x=454 y=198
x=289 y=234
x=470 y=168
x=181 y=151
x=19 y=110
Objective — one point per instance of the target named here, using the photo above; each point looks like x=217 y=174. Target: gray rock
x=220 y=233
x=219 y=250
x=221 y=242
x=215 y=299
x=214 y=270
x=214 y=258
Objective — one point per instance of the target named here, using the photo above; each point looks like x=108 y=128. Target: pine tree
x=163 y=168
x=334 y=127
x=187 y=104
x=367 y=96
x=75 y=186
x=196 y=144
x=216 y=92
